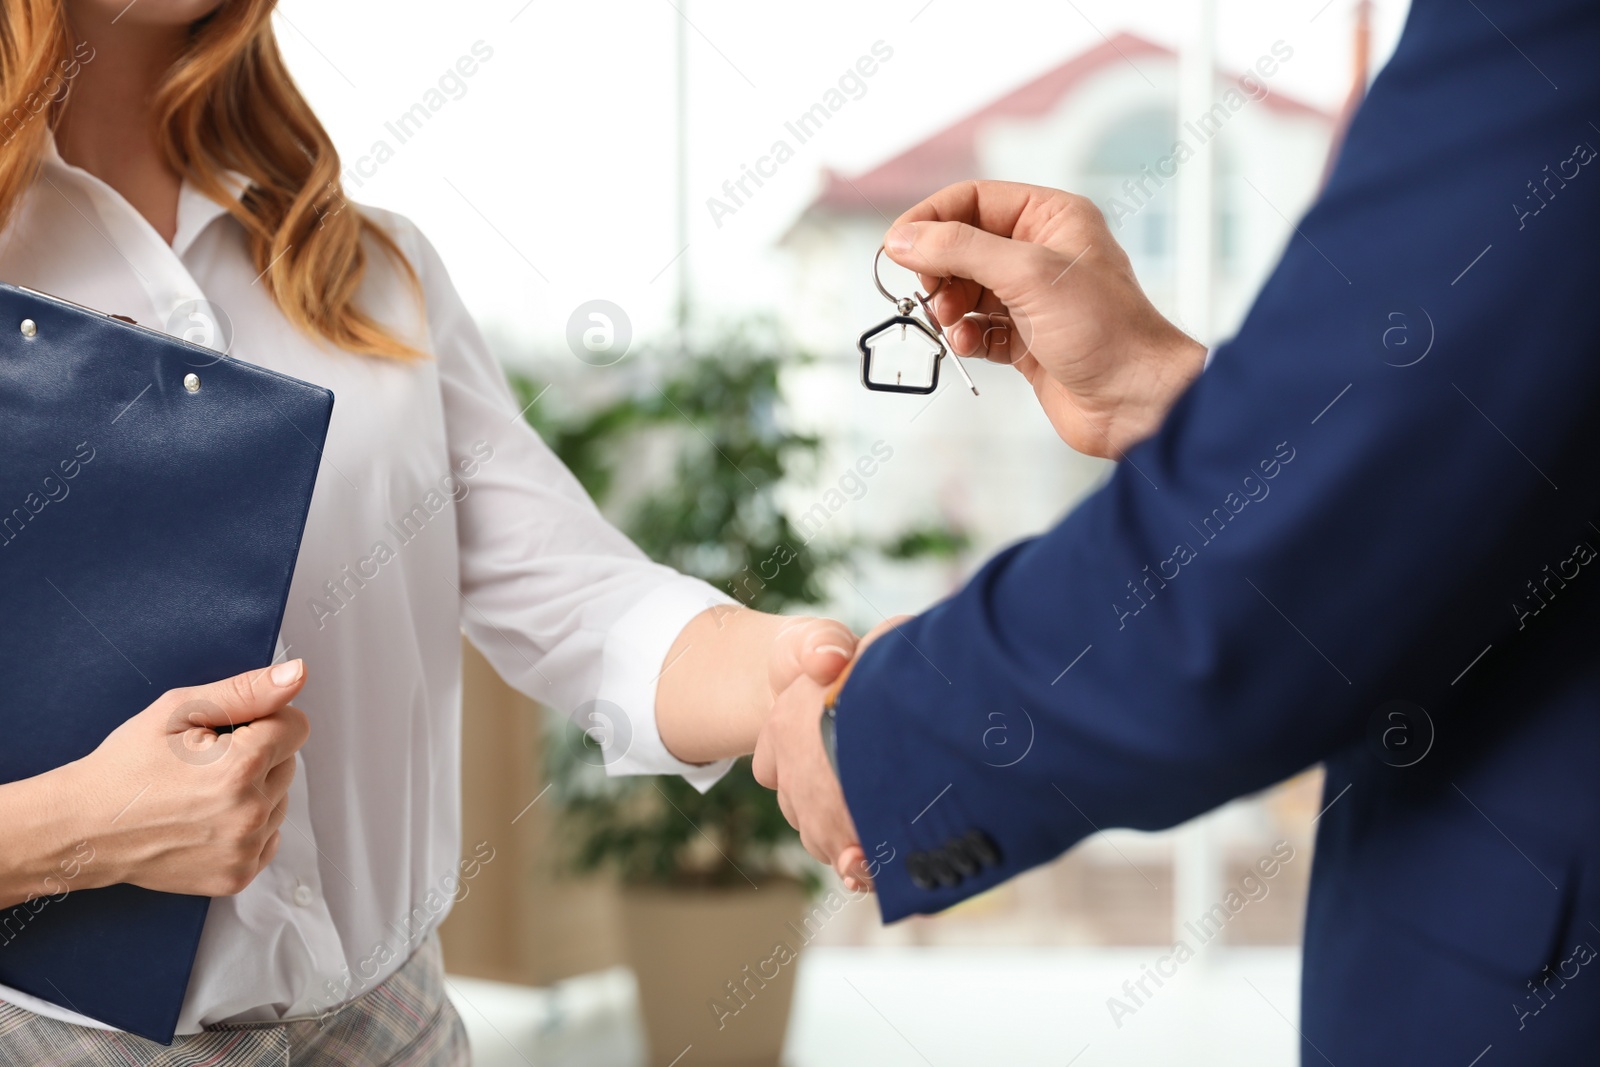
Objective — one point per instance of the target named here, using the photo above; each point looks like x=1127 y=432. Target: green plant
x=715 y=430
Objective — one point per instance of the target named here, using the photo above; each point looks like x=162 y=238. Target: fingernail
x=960 y=336
x=845 y=652
x=901 y=238
x=286 y=674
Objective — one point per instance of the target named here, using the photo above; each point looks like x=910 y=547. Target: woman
x=157 y=159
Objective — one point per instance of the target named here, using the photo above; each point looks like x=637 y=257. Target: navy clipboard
x=152 y=499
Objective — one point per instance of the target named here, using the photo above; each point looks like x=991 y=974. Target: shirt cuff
x=633 y=661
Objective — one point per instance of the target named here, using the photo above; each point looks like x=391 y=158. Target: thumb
x=957 y=250
x=851 y=866
x=237 y=700
x=826 y=647
x=814 y=648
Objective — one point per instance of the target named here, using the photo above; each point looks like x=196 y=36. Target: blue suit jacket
x=1384 y=489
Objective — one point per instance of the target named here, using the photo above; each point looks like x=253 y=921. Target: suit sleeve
x=1356 y=503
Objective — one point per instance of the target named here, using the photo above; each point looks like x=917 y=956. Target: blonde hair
x=228 y=103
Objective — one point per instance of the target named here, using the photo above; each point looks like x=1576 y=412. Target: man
x=1376 y=509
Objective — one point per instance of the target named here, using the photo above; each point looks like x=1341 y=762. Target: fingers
x=808 y=842
x=976 y=322
x=958 y=250
x=818 y=649
x=994 y=206
x=277 y=782
x=1003 y=210
x=955 y=298
x=810 y=648
x=764 y=763
x=1004 y=237
x=827 y=646
x=240 y=699
x=809 y=793
x=833 y=689
x=278 y=815
x=269 y=852
x=851 y=867
x=276 y=788
x=253 y=711
x=988 y=335
x=277 y=737
x=826 y=830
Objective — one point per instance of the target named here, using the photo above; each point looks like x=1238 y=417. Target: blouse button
x=303 y=896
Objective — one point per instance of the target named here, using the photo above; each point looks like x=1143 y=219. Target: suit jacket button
x=917 y=869
x=960 y=857
x=981 y=847
x=941 y=870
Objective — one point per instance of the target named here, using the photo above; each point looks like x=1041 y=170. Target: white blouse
x=436 y=510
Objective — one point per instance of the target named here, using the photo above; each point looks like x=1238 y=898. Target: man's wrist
x=1166 y=372
x=830 y=715
x=830 y=736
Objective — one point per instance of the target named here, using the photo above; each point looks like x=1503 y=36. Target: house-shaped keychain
x=902 y=354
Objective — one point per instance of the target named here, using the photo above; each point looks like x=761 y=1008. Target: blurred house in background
x=1103 y=123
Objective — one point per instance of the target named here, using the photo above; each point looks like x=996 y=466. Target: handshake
x=1032 y=278
x=792 y=759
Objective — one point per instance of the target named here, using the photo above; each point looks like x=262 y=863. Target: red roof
x=951 y=155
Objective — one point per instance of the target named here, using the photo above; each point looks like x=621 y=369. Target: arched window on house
x=1141 y=218
x=1131 y=174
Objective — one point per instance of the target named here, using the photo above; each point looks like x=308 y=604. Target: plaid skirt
x=405 y=1022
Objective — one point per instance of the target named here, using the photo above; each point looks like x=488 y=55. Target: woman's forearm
x=43 y=847
x=722 y=673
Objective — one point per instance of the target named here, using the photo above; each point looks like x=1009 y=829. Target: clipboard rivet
x=191 y=382
x=29 y=327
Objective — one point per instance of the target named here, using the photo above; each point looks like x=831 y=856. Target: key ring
x=903 y=303
x=928 y=326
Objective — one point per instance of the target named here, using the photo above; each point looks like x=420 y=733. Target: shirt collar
x=196 y=211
